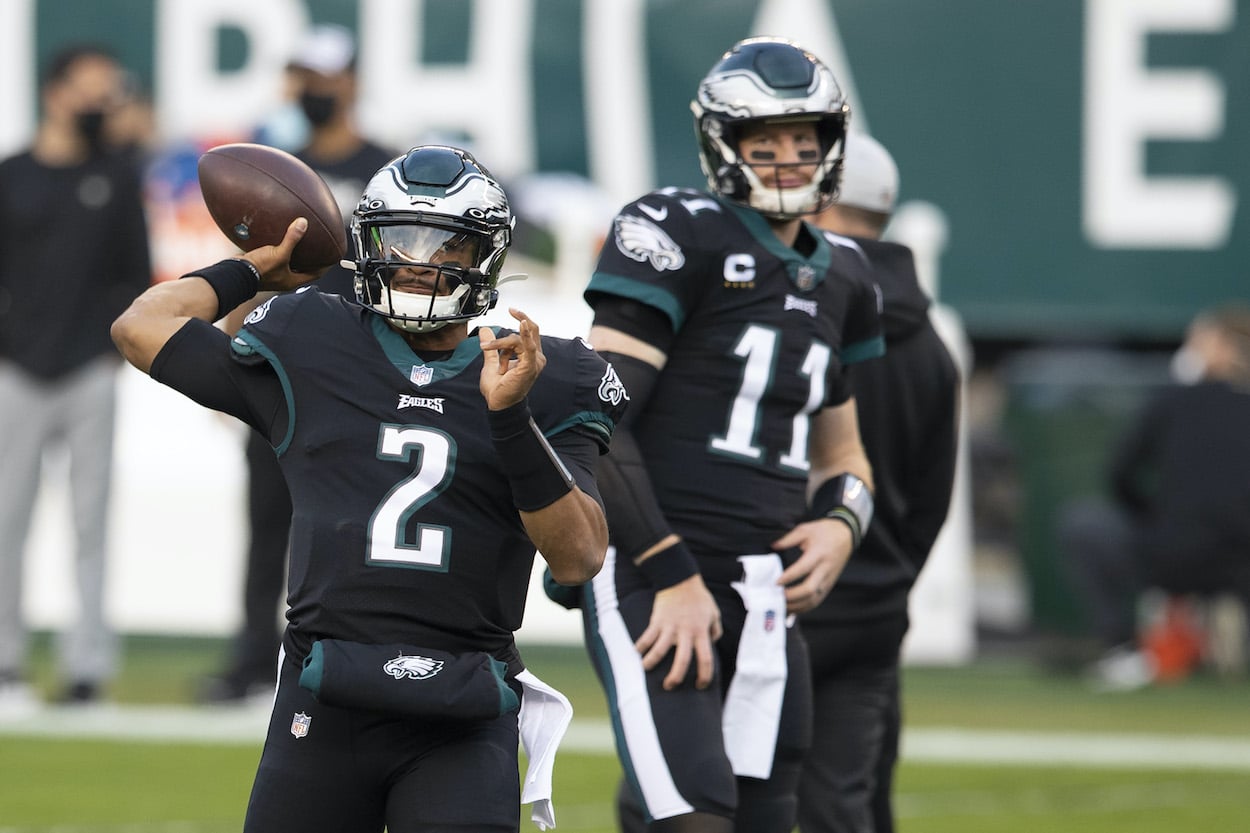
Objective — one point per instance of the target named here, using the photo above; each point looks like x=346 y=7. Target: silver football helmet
x=436 y=222
x=769 y=79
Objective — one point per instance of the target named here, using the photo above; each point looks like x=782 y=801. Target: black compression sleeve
x=196 y=361
x=537 y=475
x=635 y=520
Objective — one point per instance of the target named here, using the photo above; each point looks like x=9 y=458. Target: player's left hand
x=826 y=546
x=512 y=362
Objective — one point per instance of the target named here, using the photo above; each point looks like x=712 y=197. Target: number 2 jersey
x=762 y=333
x=403 y=529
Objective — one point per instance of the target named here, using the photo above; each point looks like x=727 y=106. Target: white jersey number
x=435 y=462
x=757 y=347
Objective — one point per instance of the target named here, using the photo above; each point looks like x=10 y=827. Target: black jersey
x=762 y=334
x=404 y=528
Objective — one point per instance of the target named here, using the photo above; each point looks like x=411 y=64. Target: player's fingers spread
x=681 y=665
x=648 y=638
x=656 y=653
x=704 y=664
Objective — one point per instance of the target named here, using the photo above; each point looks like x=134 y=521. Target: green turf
x=79 y=786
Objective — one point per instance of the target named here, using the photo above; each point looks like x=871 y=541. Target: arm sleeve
x=578 y=448
x=634 y=517
x=197 y=362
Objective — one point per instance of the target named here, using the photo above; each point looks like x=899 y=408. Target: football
x=253 y=192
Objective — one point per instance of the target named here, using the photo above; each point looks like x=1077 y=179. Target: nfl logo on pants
x=299 y=724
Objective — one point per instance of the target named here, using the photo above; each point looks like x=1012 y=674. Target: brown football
x=253 y=192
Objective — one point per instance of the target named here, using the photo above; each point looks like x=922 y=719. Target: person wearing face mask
x=1179 y=521
x=323 y=77
x=73 y=254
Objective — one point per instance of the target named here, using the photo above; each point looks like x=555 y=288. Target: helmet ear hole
x=732 y=183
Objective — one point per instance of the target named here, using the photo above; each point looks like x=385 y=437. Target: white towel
x=752 y=712
x=545 y=715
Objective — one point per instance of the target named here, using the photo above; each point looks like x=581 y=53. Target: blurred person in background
x=1179 y=516
x=322 y=74
x=73 y=254
x=737 y=487
x=908 y=407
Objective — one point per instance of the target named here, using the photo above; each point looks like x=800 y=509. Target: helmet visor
x=409 y=243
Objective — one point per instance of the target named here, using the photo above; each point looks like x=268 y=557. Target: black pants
x=848 y=776
x=331 y=770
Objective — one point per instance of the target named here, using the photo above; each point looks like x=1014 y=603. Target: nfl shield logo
x=770 y=620
x=805 y=277
x=421 y=374
x=299 y=724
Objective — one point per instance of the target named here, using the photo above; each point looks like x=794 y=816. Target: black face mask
x=90 y=124
x=318 y=108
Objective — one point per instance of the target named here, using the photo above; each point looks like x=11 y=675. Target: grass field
x=980 y=737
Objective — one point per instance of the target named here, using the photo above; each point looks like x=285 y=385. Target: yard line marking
x=1100 y=749
x=247 y=725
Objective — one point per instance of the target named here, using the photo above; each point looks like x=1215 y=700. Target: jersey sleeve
x=654 y=254
x=577 y=403
x=198 y=363
x=578 y=389
x=862 y=334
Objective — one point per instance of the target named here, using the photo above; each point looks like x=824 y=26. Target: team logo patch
x=299 y=724
x=422 y=374
x=800 y=304
x=645 y=242
x=414 y=667
x=432 y=403
x=259 y=313
x=610 y=388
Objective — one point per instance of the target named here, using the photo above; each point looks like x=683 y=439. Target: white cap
x=869 y=175
x=326 y=48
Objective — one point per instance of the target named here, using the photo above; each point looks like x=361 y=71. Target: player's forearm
x=151 y=320
x=572 y=536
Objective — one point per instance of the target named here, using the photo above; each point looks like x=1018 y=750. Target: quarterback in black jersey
x=738 y=486
x=425 y=466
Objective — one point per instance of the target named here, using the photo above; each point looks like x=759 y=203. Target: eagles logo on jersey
x=645 y=242
x=413 y=667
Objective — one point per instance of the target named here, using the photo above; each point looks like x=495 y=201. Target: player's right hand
x=685 y=620
x=274 y=262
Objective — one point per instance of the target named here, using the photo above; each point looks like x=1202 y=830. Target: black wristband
x=235 y=280
x=669 y=566
x=844 y=498
x=535 y=472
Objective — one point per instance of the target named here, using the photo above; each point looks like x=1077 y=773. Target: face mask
x=1188 y=367
x=90 y=125
x=318 y=108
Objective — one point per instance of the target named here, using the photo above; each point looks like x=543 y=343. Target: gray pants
x=76 y=411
